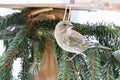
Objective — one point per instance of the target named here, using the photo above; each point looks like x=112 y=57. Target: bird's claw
x=71 y=58
x=68 y=59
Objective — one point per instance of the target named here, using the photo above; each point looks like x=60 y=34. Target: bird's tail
x=92 y=44
x=103 y=47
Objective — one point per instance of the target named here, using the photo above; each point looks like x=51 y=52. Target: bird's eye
x=96 y=44
x=64 y=24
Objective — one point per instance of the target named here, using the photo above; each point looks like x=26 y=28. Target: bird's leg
x=71 y=58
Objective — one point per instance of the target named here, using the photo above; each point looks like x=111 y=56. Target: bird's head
x=64 y=25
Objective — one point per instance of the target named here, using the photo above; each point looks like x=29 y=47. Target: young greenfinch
x=71 y=40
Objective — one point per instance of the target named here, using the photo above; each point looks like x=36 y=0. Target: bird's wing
x=75 y=38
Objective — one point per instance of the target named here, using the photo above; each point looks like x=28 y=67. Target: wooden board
x=73 y=6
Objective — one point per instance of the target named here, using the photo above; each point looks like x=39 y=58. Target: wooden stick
x=35 y=12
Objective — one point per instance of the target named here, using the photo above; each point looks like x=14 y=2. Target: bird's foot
x=71 y=58
x=68 y=59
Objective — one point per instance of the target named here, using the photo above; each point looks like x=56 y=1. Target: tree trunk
x=48 y=68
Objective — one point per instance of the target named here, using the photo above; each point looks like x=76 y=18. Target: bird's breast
x=63 y=41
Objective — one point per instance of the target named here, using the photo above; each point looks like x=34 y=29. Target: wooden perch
x=35 y=12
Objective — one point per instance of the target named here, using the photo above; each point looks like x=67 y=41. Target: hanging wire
x=96 y=4
x=69 y=15
x=65 y=12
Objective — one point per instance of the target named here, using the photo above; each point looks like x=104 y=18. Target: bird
x=71 y=40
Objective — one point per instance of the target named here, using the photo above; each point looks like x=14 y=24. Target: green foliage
x=60 y=56
x=12 y=20
x=8 y=55
x=100 y=63
x=37 y=55
x=39 y=49
x=70 y=72
x=106 y=35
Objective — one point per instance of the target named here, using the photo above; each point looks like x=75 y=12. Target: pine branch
x=93 y=65
x=70 y=71
x=106 y=35
x=9 y=54
x=11 y=51
x=61 y=56
x=24 y=73
x=38 y=47
x=13 y=20
x=108 y=74
x=7 y=34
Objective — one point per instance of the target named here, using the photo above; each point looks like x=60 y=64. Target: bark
x=48 y=68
